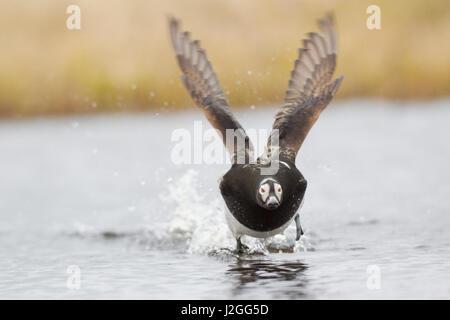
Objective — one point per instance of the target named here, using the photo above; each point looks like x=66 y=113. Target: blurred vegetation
x=121 y=58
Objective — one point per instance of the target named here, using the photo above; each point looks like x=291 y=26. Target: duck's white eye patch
x=278 y=191
x=264 y=191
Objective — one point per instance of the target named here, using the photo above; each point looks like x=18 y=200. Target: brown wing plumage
x=203 y=86
x=309 y=92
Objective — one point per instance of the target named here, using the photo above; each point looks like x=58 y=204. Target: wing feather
x=310 y=89
x=203 y=86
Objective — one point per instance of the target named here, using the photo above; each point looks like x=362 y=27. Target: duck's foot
x=299 y=227
x=240 y=247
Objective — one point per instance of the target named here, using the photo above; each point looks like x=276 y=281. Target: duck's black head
x=262 y=202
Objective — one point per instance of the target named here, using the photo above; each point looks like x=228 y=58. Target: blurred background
x=121 y=59
x=87 y=181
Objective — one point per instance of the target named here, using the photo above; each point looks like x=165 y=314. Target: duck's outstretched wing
x=203 y=86
x=310 y=90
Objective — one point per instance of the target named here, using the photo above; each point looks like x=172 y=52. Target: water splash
x=189 y=222
x=202 y=224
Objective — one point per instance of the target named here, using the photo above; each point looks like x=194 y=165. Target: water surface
x=101 y=193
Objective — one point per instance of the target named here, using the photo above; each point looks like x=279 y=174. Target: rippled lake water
x=101 y=193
